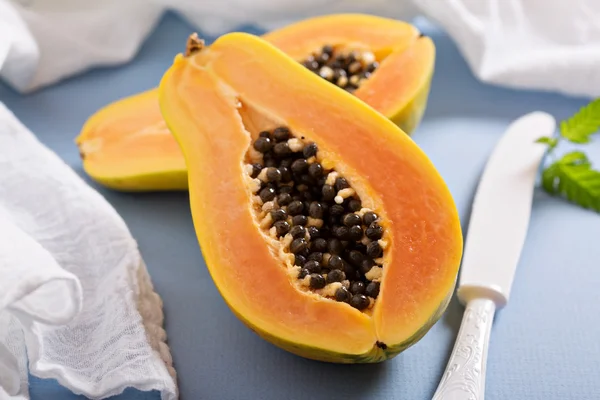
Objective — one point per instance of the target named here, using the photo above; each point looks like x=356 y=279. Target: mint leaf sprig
x=572 y=175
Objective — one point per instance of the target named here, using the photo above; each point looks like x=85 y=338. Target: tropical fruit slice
x=325 y=228
x=384 y=62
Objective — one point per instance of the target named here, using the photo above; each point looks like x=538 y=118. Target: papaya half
x=325 y=228
x=384 y=62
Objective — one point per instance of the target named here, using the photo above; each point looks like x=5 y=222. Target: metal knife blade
x=501 y=210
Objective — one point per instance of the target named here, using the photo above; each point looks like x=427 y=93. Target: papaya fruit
x=325 y=228
x=384 y=62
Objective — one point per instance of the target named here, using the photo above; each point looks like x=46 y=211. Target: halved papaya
x=324 y=227
x=382 y=61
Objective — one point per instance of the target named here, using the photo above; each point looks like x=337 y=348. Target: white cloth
x=547 y=45
x=75 y=295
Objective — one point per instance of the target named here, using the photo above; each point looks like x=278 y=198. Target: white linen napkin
x=74 y=290
x=546 y=45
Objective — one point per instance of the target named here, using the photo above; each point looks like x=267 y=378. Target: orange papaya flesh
x=398 y=89
x=141 y=153
x=246 y=85
x=382 y=36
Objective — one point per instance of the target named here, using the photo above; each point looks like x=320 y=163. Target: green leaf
x=573 y=177
x=582 y=124
x=550 y=179
x=575 y=158
x=550 y=141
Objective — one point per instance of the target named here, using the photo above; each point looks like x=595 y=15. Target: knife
x=497 y=230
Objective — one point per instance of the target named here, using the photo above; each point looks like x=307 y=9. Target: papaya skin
x=398 y=89
x=417 y=209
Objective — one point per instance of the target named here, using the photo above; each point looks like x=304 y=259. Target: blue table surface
x=545 y=344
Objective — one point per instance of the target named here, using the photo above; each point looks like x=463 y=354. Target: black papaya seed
x=342 y=294
x=278 y=214
x=351 y=219
x=319 y=244
x=357 y=287
x=316 y=256
x=299 y=260
x=282 y=133
x=372 y=289
x=374 y=250
x=313 y=266
x=297 y=232
x=267 y=194
x=369 y=218
x=263 y=144
x=281 y=228
x=355 y=205
x=359 y=301
x=310 y=150
x=355 y=232
x=298 y=245
x=295 y=207
x=335 y=276
x=374 y=231
x=317 y=281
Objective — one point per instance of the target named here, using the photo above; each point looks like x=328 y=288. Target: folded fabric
x=33 y=289
x=74 y=289
x=545 y=45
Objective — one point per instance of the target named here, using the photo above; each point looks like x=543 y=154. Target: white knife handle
x=464 y=378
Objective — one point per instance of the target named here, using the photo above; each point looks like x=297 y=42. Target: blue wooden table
x=545 y=345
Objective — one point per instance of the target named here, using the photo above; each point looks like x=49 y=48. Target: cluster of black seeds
x=330 y=241
x=345 y=69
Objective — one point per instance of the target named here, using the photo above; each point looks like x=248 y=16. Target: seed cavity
x=331 y=244
x=346 y=69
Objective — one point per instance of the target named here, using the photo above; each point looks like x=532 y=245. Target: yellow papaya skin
x=399 y=90
x=425 y=243
x=375 y=355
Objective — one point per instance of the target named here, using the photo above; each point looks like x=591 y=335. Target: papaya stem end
x=194 y=44
x=381 y=345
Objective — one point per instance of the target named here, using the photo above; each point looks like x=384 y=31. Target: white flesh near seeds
x=371 y=302
x=255 y=155
x=329 y=290
x=316 y=222
x=344 y=194
x=256 y=200
x=254 y=185
x=368 y=57
x=295 y=144
x=263 y=175
x=363 y=211
x=331 y=177
x=374 y=274
x=267 y=221
x=268 y=206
